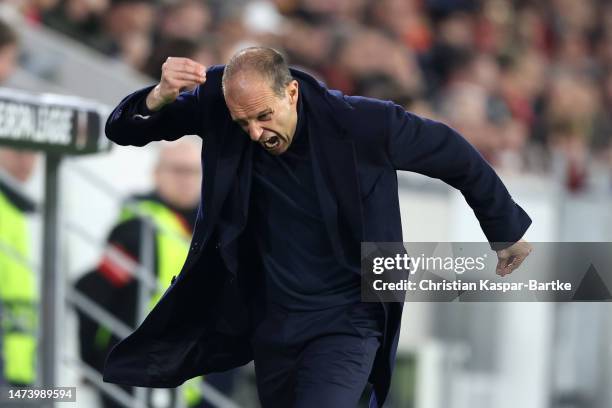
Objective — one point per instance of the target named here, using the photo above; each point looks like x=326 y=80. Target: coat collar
x=324 y=102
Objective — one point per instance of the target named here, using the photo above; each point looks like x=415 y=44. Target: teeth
x=271 y=142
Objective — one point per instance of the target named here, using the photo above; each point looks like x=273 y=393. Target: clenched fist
x=178 y=74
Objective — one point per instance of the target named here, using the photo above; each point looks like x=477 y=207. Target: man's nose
x=255 y=132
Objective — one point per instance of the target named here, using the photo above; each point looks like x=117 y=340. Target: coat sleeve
x=433 y=149
x=131 y=123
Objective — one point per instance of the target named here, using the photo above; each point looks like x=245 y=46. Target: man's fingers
x=506 y=266
x=183 y=76
x=178 y=85
x=180 y=60
x=518 y=260
x=171 y=72
x=501 y=266
x=186 y=69
x=184 y=65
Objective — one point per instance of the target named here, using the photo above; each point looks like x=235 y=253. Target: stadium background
x=529 y=83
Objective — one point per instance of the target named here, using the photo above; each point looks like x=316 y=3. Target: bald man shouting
x=296 y=176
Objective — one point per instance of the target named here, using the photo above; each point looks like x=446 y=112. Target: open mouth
x=271 y=143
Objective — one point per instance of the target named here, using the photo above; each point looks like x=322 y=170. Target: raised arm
x=436 y=150
x=162 y=112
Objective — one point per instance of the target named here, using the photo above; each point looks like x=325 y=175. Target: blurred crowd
x=528 y=82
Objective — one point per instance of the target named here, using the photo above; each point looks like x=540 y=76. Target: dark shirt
x=301 y=271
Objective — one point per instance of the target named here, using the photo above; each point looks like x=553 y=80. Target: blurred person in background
x=184 y=19
x=80 y=20
x=366 y=52
x=273 y=269
x=602 y=134
x=18 y=290
x=171 y=210
x=307 y=45
x=405 y=20
x=472 y=100
x=122 y=29
x=9 y=51
x=204 y=51
x=572 y=109
x=420 y=43
x=130 y=25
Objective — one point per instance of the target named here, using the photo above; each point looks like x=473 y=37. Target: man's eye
x=265 y=117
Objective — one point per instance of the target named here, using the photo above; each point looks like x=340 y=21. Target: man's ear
x=293 y=91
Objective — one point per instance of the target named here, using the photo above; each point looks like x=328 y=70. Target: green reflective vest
x=172 y=245
x=19 y=297
x=171 y=240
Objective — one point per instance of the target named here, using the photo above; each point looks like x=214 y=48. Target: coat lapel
x=335 y=174
x=223 y=174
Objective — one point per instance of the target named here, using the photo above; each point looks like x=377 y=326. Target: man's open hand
x=177 y=74
x=512 y=257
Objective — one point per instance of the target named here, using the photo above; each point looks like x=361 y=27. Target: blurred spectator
x=500 y=53
x=456 y=30
x=18 y=291
x=405 y=19
x=81 y=20
x=330 y=11
x=9 y=50
x=171 y=212
x=129 y=24
x=204 y=51
x=602 y=134
x=464 y=106
x=384 y=87
x=522 y=82
x=364 y=52
x=185 y=19
x=570 y=116
x=307 y=45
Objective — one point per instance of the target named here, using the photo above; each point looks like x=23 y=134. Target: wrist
x=154 y=102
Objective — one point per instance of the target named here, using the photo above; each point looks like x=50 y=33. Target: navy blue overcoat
x=202 y=323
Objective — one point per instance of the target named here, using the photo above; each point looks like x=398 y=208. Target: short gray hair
x=267 y=62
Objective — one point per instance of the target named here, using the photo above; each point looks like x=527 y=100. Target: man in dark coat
x=273 y=271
